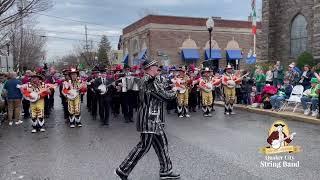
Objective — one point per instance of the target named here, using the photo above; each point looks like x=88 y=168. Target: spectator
x=306 y=77
x=311 y=96
x=14 y=98
x=283 y=93
x=292 y=75
x=260 y=81
x=2 y=99
x=269 y=76
x=278 y=74
x=246 y=89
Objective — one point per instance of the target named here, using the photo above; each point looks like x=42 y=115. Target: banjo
x=206 y=87
x=276 y=144
x=180 y=88
x=72 y=94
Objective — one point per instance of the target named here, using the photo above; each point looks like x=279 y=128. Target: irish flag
x=254 y=17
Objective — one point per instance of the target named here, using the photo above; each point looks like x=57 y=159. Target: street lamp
x=8 y=53
x=210 y=26
x=96 y=60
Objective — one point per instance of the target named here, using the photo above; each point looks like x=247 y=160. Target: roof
x=191 y=21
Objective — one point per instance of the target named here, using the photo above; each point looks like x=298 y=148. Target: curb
x=284 y=115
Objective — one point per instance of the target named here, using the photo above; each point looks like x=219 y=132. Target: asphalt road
x=221 y=147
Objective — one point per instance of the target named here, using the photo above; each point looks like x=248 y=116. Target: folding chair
x=295 y=98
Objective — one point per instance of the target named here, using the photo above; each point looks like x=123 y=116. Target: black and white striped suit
x=150 y=123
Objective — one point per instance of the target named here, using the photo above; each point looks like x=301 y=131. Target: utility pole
x=87 y=45
x=21 y=33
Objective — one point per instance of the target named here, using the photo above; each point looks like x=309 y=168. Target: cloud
x=109 y=17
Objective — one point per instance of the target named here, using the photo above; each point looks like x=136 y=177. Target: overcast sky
x=109 y=17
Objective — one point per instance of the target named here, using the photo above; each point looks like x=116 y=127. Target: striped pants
x=159 y=143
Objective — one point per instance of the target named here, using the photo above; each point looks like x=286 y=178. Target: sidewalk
x=285 y=115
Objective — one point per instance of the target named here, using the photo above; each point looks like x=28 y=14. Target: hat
x=206 y=70
x=279 y=124
x=73 y=70
x=118 y=68
x=148 y=63
x=182 y=68
x=65 y=71
x=229 y=67
x=134 y=68
x=291 y=65
x=314 y=80
x=38 y=75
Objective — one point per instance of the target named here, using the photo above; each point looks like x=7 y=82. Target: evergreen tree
x=104 y=51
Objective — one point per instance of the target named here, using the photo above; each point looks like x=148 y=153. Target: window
x=299 y=35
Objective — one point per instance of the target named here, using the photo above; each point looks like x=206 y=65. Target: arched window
x=299 y=35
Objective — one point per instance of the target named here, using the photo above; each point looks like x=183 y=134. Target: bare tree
x=32 y=47
x=13 y=10
x=86 y=54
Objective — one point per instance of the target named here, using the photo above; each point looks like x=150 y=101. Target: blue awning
x=190 y=54
x=234 y=54
x=138 y=62
x=142 y=54
x=215 y=54
x=125 y=59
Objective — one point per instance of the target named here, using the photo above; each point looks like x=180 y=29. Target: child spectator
x=283 y=93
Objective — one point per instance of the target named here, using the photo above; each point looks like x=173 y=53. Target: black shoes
x=170 y=176
x=121 y=176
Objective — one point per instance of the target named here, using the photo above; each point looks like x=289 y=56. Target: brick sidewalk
x=285 y=115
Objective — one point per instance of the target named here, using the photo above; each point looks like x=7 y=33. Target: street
x=221 y=147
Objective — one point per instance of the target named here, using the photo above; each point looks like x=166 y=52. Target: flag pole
x=254 y=43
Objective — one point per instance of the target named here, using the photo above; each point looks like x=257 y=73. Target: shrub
x=305 y=58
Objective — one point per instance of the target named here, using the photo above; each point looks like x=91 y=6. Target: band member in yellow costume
x=35 y=91
x=206 y=87
x=72 y=89
x=229 y=82
x=180 y=85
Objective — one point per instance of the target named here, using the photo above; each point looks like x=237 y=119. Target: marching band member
x=150 y=124
x=216 y=82
x=132 y=81
x=180 y=85
x=72 y=90
x=193 y=84
x=35 y=91
x=206 y=86
x=116 y=98
x=229 y=82
x=101 y=87
x=91 y=94
x=64 y=100
x=25 y=103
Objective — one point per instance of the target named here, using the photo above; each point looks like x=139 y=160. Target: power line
x=71 y=39
x=65 y=32
x=67 y=19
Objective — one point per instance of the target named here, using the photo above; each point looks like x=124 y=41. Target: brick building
x=290 y=28
x=183 y=40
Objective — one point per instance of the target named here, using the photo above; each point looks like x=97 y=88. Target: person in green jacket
x=260 y=81
x=311 y=96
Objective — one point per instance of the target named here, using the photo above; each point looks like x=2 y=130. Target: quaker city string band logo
x=280 y=140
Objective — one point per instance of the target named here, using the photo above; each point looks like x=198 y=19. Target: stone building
x=183 y=40
x=290 y=28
